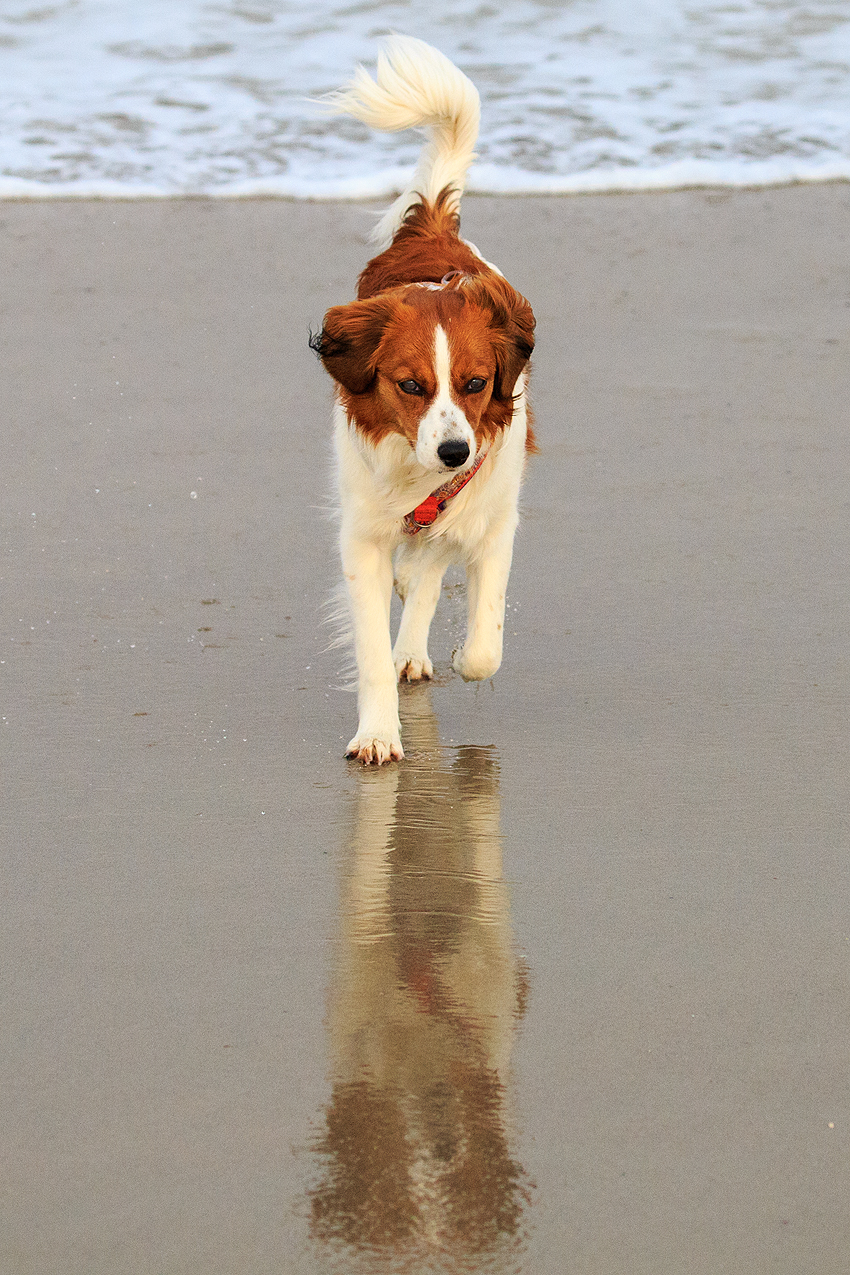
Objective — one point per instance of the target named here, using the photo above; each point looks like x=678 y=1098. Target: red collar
x=430 y=509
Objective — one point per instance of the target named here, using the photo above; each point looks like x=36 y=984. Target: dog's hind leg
x=419 y=571
x=487 y=582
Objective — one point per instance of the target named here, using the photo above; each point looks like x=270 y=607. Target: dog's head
x=435 y=364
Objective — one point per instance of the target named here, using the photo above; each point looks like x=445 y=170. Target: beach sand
x=659 y=770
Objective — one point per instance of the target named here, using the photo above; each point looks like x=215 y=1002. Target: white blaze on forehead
x=445 y=420
x=442 y=364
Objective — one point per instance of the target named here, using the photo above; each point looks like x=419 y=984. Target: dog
x=432 y=423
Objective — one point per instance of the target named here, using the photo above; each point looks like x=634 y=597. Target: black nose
x=453 y=453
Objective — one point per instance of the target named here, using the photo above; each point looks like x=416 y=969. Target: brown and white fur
x=430 y=374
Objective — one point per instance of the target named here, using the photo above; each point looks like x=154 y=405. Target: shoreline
x=388 y=186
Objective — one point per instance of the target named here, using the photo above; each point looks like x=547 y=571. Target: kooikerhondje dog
x=432 y=424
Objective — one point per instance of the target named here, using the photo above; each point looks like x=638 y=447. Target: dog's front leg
x=487 y=582
x=369 y=579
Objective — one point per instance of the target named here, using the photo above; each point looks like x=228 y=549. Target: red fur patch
x=426 y=248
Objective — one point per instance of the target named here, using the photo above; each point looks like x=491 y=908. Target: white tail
x=417 y=86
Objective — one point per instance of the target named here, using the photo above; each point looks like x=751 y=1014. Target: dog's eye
x=475 y=386
x=411 y=387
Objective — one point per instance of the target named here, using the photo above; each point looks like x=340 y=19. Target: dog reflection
x=414 y=1153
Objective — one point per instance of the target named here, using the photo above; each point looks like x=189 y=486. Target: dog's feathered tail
x=417 y=86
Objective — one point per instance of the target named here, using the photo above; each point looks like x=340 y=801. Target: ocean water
x=168 y=97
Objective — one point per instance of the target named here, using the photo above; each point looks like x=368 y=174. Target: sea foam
x=110 y=98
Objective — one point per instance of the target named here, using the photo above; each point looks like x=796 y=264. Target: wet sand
x=569 y=990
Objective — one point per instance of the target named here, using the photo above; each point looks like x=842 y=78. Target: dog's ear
x=512 y=324
x=349 y=340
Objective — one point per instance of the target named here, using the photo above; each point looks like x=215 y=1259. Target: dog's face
x=437 y=365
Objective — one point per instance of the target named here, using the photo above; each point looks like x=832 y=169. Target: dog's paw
x=475 y=666
x=412 y=668
x=374 y=750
